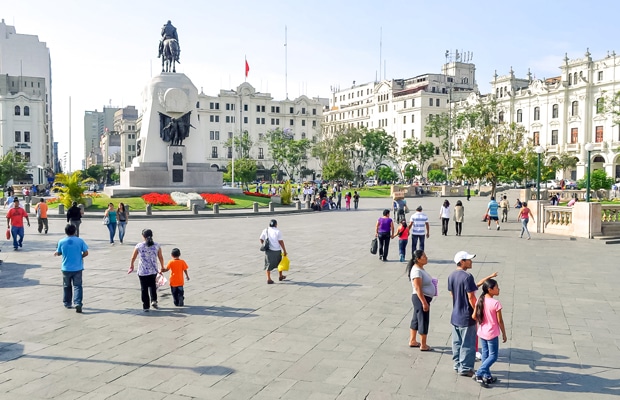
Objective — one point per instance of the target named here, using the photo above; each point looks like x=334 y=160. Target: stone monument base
x=124 y=191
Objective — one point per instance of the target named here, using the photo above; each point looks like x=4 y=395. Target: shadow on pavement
x=322 y=284
x=12 y=275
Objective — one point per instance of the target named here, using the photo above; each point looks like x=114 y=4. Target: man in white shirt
x=421 y=229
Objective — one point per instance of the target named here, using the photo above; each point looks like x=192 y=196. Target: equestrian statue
x=169 y=49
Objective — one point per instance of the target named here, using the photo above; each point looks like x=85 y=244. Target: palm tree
x=72 y=187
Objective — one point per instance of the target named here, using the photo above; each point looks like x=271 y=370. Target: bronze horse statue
x=169 y=53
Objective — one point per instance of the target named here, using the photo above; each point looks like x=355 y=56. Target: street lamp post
x=589 y=147
x=539 y=150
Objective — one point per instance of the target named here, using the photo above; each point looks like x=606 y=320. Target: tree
x=242 y=144
x=378 y=146
x=245 y=170
x=439 y=127
x=95 y=171
x=387 y=174
x=286 y=152
x=72 y=187
x=370 y=173
x=564 y=161
x=12 y=167
x=337 y=167
x=411 y=171
x=436 y=175
x=598 y=180
x=414 y=151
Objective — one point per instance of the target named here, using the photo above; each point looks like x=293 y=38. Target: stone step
x=609 y=239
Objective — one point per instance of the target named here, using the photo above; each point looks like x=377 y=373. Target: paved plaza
x=337 y=328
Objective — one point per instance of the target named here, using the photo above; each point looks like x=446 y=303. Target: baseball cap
x=419 y=208
x=463 y=255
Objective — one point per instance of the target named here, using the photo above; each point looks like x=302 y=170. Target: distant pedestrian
x=492 y=213
x=421 y=229
x=338 y=197
x=403 y=239
x=468 y=191
x=110 y=213
x=73 y=250
x=423 y=292
x=488 y=314
x=518 y=204
x=459 y=214
x=177 y=268
x=122 y=215
x=74 y=217
x=504 y=205
x=277 y=249
x=356 y=199
x=524 y=215
x=444 y=215
x=347 y=201
x=41 y=211
x=384 y=230
x=149 y=252
x=15 y=221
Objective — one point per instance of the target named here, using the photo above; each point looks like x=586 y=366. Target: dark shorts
x=493 y=218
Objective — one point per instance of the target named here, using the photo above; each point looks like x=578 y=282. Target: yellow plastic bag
x=284 y=264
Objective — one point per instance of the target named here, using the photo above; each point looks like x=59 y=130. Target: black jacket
x=74 y=214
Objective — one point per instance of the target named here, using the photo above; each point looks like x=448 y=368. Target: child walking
x=347 y=201
x=488 y=314
x=403 y=239
x=177 y=267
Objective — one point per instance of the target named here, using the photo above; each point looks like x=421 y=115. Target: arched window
x=536 y=113
x=575 y=78
x=600 y=105
x=26 y=111
x=303 y=135
x=570 y=79
x=501 y=116
x=554 y=111
x=519 y=115
x=18 y=111
x=575 y=107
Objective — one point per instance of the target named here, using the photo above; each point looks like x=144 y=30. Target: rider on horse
x=168 y=31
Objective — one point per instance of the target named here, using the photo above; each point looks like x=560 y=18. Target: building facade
x=564 y=113
x=26 y=101
x=232 y=112
x=96 y=124
x=125 y=123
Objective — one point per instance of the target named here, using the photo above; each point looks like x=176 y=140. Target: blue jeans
x=402 y=247
x=490 y=351
x=72 y=278
x=464 y=347
x=178 y=295
x=121 y=230
x=524 y=227
x=112 y=229
x=17 y=231
x=414 y=242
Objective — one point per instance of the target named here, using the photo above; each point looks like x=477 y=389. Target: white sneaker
x=488 y=227
x=478 y=356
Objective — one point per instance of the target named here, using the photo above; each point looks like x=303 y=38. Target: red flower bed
x=158 y=199
x=212 y=198
x=255 y=194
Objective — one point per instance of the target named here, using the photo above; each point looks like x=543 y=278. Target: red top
x=17 y=215
x=525 y=213
x=403 y=233
x=176 y=267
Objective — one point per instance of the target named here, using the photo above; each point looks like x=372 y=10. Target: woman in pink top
x=488 y=314
x=524 y=215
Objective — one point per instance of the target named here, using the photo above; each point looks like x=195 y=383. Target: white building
x=232 y=112
x=26 y=85
x=563 y=113
x=96 y=124
x=125 y=123
x=401 y=107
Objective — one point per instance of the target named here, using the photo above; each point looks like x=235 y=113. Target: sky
x=105 y=52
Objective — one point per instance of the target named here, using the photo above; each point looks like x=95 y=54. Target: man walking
x=74 y=217
x=492 y=213
x=462 y=288
x=41 y=211
x=73 y=250
x=421 y=229
x=504 y=206
x=15 y=221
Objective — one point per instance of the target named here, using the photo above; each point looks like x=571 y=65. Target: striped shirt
x=419 y=220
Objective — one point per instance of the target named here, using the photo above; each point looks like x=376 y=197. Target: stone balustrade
x=557 y=215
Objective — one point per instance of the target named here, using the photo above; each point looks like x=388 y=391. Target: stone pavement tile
x=350 y=393
x=16 y=378
x=276 y=389
x=202 y=392
x=238 y=389
x=137 y=394
x=177 y=397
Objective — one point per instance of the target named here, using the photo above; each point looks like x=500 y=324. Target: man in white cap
x=463 y=288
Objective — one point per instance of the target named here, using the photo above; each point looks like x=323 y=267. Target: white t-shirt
x=428 y=289
x=445 y=212
x=274 y=236
x=419 y=220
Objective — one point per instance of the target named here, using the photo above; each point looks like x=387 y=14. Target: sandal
x=426 y=349
x=414 y=345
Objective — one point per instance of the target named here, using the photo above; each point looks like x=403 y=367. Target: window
x=519 y=115
x=412 y=102
x=600 y=76
x=262 y=121
x=600 y=106
x=18 y=110
x=430 y=102
x=211 y=118
x=261 y=155
x=227 y=118
x=257 y=120
x=262 y=108
x=291 y=110
x=27 y=137
x=273 y=121
x=405 y=104
x=536 y=138
x=437 y=102
x=290 y=122
x=599 y=134
x=303 y=135
x=245 y=120
x=412 y=118
x=430 y=117
x=227 y=106
x=536 y=113
x=27 y=156
x=214 y=152
x=245 y=107
x=217 y=135
x=230 y=134
x=412 y=132
x=575 y=107
x=257 y=108
x=554 y=136
x=501 y=116
x=404 y=134
x=404 y=119
x=303 y=110
x=570 y=79
x=18 y=136
x=575 y=78
x=277 y=121
x=261 y=136
x=229 y=155
x=554 y=111
x=314 y=124
x=26 y=111
x=314 y=111
x=303 y=122
x=273 y=109
x=574 y=135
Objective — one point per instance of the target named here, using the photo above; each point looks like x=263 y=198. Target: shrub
x=158 y=199
x=256 y=194
x=212 y=198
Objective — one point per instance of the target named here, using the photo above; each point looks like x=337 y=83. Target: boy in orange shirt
x=177 y=267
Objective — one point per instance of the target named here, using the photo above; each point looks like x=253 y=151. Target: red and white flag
x=247 y=68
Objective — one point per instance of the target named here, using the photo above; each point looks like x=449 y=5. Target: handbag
x=265 y=245
x=8 y=234
x=106 y=220
x=284 y=264
x=374 y=246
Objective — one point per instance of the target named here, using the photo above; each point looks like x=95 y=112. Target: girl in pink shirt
x=488 y=314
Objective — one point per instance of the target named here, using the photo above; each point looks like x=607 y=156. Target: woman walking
x=459 y=213
x=271 y=239
x=110 y=214
x=423 y=292
x=524 y=214
x=123 y=216
x=149 y=253
x=444 y=214
x=384 y=230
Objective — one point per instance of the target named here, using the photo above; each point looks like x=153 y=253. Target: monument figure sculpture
x=175 y=130
x=169 y=49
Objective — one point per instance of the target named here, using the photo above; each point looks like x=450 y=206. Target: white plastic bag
x=161 y=281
